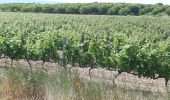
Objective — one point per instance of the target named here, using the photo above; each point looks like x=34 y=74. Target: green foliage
x=134 y=9
x=157 y=10
x=160 y=4
x=133 y=44
x=47 y=9
x=72 y=10
x=124 y=11
x=36 y=8
x=113 y=10
x=145 y=10
x=59 y=9
x=88 y=8
x=26 y=9
x=102 y=9
x=168 y=11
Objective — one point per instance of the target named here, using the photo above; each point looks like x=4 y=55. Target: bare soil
x=101 y=76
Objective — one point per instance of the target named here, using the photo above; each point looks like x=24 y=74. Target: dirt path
x=102 y=75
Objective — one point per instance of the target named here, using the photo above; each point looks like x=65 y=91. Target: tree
x=88 y=9
x=124 y=11
x=84 y=10
x=102 y=9
x=14 y=8
x=157 y=10
x=47 y=9
x=134 y=9
x=167 y=11
x=59 y=9
x=72 y=9
x=145 y=10
x=160 y=4
x=26 y=9
x=36 y=8
x=113 y=10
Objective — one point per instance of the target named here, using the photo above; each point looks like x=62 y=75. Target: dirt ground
x=102 y=76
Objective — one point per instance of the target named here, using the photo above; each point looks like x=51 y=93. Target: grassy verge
x=20 y=83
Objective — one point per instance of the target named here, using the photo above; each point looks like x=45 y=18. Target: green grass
x=25 y=84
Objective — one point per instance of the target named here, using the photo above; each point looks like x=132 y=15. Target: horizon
x=87 y=1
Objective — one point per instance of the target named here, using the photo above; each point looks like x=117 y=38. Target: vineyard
x=139 y=45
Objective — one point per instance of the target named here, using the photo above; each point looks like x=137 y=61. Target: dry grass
x=21 y=83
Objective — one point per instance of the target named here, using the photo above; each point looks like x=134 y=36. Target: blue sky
x=85 y=1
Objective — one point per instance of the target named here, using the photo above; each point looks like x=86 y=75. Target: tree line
x=90 y=8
